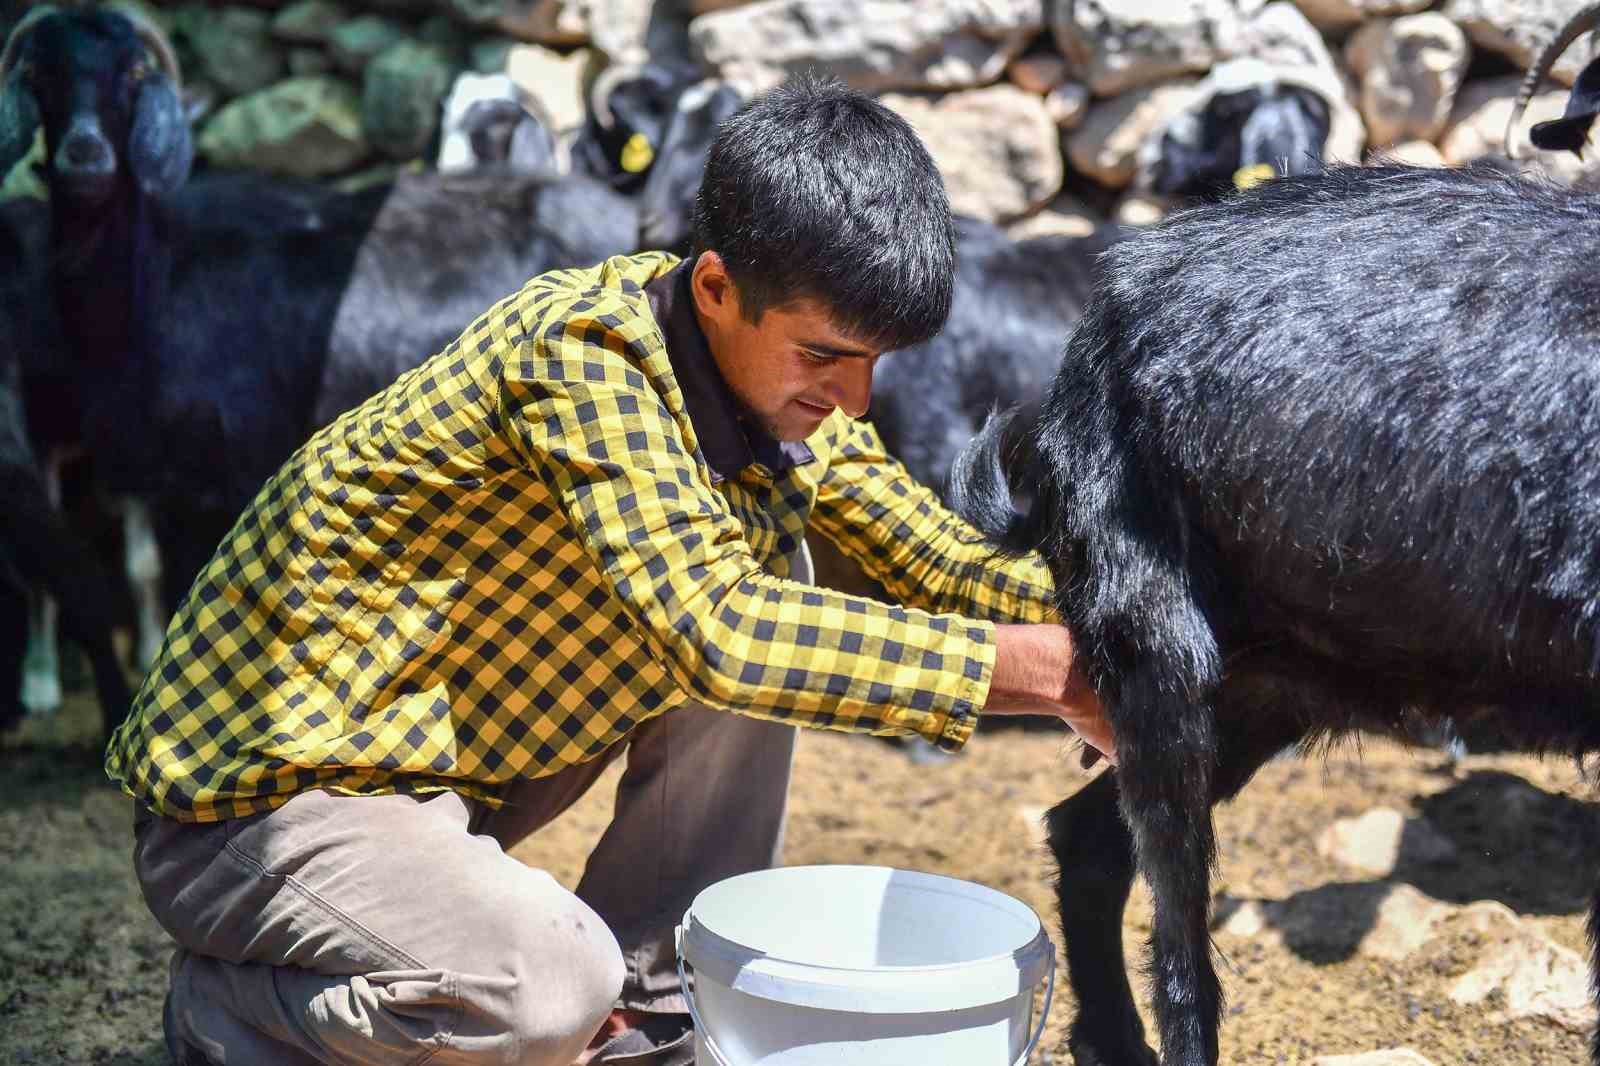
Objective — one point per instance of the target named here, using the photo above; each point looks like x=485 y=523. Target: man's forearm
x=1034 y=673
x=1032 y=665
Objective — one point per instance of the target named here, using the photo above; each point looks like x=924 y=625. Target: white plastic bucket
x=862 y=966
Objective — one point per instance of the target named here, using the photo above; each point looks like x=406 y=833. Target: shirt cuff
x=951 y=730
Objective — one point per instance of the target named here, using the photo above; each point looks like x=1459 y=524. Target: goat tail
x=981 y=492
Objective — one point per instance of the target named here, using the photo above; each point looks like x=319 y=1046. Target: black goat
x=443 y=248
x=1321 y=457
x=39 y=551
x=1240 y=137
x=1570 y=132
x=666 y=200
x=215 y=323
x=490 y=119
x=630 y=107
x=1013 y=302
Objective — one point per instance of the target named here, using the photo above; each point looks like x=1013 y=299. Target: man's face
x=790 y=369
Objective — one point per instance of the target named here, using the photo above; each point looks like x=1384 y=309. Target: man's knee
x=568 y=972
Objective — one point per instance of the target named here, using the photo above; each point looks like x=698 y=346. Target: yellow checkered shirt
x=515 y=554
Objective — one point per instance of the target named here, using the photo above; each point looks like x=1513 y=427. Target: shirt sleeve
x=924 y=555
x=576 y=408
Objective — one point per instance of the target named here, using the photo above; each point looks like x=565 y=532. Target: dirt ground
x=82 y=965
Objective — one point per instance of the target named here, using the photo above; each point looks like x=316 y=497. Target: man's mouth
x=820 y=410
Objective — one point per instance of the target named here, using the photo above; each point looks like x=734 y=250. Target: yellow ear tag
x=637 y=155
x=1251 y=176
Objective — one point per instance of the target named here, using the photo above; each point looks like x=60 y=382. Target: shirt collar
x=729 y=439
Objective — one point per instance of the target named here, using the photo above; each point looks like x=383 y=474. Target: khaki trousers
x=395 y=929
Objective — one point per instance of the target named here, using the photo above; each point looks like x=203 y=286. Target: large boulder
x=1402 y=1056
x=232 y=47
x=559 y=82
x=1067 y=104
x=1409 y=153
x=929 y=44
x=1336 y=15
x=1281 y=35
x=1117 y=45
x=400 y=98
x=1409 y=70
x=629 y=31
x=307 y=127
x=1373 y=843
x=625 y=30
x=309 y=21
x=1038 y=73
x=309 y=61
x=357 y=42
x=1405 y=922
x=997 y=147
x=1519 y=29
x=447 y=35
x=1533 y=977
x=1106 y=145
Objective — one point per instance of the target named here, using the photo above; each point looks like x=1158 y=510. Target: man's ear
x=714 y=291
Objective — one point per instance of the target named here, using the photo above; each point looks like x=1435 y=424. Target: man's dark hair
x=817 y=191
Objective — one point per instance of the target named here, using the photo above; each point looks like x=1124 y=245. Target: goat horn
x=154 y=38
x=14 y=42
x=600 y=91
x=1576 y=26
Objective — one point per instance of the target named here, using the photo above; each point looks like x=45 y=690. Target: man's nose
x=852 y=386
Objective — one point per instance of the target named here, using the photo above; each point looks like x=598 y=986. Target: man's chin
x=794 y=431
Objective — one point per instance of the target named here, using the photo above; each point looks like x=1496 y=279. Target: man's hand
x=1036 y=672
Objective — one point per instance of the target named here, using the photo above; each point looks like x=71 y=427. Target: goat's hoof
x=1108 y=1053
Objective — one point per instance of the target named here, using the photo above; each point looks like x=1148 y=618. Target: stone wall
x=1037 y=110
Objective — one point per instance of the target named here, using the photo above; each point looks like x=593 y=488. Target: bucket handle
x=723 y=1060
x=688 y=997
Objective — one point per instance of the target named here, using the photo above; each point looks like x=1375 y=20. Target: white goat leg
x=143 y=561
x=41 y=663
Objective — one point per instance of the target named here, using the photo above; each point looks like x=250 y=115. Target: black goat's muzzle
x=85 y=165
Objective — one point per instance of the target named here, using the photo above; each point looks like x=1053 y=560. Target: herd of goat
x=185 y=330
x=1320 y=457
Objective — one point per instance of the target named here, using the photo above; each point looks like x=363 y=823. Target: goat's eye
x=139 y=71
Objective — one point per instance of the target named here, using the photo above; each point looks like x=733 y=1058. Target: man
x=576 y=530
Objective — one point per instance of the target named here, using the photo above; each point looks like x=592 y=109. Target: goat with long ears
x=160 y=148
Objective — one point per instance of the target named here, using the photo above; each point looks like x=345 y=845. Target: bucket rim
x=914 y=989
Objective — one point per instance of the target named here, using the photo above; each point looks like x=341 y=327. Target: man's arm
x=902 y=536
x=1036 y=671
x=731 y=635
x=905 y=538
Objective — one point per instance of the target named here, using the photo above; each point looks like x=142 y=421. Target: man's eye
x=813 y=358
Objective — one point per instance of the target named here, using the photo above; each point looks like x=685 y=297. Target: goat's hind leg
x=1094 y=856
x=1093 y=849
x=1167 y=749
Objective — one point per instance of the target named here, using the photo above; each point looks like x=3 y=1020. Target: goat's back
x=1366 y=405
x=447 y=247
